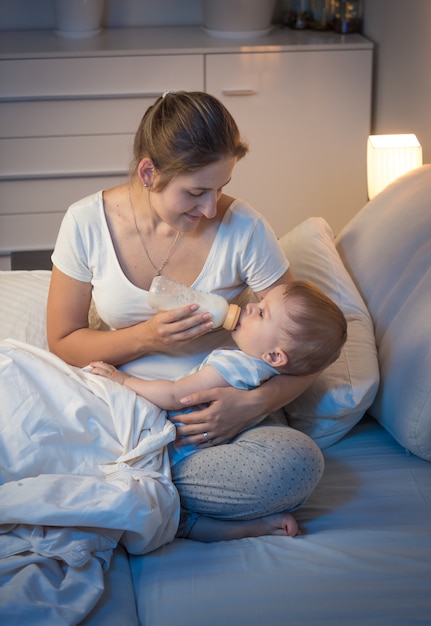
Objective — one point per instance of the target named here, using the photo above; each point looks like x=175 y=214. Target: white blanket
x=83 y=466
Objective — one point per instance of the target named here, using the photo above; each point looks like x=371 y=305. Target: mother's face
x=188 y=198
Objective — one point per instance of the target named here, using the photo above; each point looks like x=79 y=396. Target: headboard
x=31 y=260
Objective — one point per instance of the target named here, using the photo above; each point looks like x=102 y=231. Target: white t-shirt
x=244 y=252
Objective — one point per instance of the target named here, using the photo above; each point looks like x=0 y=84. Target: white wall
x=401 y=30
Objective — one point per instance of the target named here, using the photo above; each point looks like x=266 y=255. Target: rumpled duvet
x=83 y=467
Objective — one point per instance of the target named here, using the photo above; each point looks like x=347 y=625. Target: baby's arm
x=166 y=394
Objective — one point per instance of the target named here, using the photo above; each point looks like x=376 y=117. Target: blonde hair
x=315 y=329
x=185 y=131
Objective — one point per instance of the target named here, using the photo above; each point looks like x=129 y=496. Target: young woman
x=172 y=217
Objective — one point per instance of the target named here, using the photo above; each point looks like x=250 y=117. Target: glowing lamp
x=388 y=158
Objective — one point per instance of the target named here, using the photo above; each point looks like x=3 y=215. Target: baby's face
x=258 y=329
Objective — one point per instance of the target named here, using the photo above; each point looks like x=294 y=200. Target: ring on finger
x=205 y=437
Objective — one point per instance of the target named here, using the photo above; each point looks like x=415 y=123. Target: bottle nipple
x=232 y=317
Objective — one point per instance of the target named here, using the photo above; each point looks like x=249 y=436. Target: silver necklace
x=160 y=269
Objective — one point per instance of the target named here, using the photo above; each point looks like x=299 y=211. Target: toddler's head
x=314 y=330
x=295 y=328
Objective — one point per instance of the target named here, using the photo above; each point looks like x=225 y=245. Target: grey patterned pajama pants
x=267 y=469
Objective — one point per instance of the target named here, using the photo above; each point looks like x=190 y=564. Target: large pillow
x=387 y=249
x=338 y=399
x=23 y=296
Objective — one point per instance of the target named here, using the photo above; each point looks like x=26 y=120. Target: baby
x=295 y=329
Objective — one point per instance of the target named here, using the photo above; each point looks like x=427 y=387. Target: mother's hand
x=229 y=412
x=169 y=330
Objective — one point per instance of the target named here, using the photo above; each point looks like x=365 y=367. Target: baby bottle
x=166 y=294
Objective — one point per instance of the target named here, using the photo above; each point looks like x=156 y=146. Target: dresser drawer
x=54 y=157
x=31 y=210
x=99 y=77
x=53 y=118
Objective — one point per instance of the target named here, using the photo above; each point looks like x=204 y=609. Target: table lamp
x=388 y=158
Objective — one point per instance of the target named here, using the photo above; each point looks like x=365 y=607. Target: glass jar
x=347 y=16
x=320 y=14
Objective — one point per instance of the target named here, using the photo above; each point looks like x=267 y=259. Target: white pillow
x=338 y=399
x=23 y=297
x=387 y=249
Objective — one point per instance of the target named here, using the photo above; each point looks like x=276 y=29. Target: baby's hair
x=316 y=328
x=185 y=131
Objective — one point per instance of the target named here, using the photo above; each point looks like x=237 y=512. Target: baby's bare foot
x=208 y=530
x=290 y=525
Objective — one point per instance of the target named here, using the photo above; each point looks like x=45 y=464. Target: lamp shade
x=388 y=158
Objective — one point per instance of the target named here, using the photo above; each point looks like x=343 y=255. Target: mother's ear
x=146 y=171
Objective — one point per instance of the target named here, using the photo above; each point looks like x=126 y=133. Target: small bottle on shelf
x=347 y=16
x=320 y=14
x=297 y=15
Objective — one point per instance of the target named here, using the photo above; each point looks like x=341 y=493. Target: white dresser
x=69 y=109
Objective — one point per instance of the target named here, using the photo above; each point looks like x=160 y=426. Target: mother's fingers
x=184 y=319
x=199 y=435
x=198 y=441
x=170 y=329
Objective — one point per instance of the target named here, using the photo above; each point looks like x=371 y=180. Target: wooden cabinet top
x=168 y=40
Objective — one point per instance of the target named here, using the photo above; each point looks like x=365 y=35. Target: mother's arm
x=232 y=410
x=70 y=337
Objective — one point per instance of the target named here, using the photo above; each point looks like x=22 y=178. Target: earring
x=146 y=185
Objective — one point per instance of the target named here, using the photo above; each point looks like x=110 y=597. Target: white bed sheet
x=365 y=557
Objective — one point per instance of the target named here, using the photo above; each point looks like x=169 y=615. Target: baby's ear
x=277 y=358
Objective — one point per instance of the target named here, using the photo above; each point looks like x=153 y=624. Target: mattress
x=364 y=557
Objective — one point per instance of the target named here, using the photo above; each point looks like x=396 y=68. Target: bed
x=365 y=553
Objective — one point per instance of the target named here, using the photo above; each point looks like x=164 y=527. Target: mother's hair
x=185 y=131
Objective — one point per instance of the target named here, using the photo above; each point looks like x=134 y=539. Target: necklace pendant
x=160 y=270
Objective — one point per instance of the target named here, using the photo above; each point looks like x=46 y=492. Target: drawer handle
x=239 y=92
